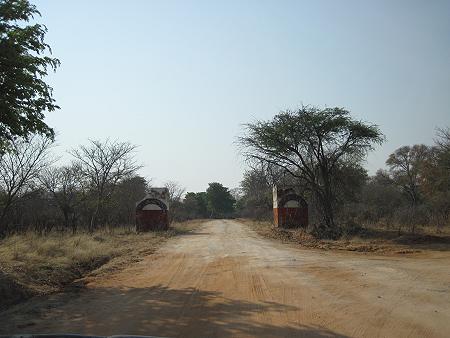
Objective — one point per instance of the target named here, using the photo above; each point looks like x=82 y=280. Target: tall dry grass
x=34 y=264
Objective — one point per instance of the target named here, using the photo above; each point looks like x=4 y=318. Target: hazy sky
x=179 y=78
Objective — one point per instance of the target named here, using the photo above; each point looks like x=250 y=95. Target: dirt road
x=225 y=281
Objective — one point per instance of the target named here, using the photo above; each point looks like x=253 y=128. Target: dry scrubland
x=377 y=239
x=32 y=264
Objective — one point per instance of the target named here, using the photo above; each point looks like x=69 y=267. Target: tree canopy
x=24 y=62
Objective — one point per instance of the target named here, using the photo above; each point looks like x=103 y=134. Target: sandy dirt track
x=224 y=280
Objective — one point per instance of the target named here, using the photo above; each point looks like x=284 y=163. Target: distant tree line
x=414 y=191
x=216 y=202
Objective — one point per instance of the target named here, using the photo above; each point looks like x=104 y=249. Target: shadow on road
x=157 y=310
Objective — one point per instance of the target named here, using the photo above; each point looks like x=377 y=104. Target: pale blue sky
x=179 y=78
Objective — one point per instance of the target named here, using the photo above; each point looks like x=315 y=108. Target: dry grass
x=371 y=239
x=32 y=264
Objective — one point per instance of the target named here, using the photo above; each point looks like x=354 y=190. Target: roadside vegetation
x=369 y=239
x=34 y=264
x=99 y=189
x=317 y=150
x=411 y=197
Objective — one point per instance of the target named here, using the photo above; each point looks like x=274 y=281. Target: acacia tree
x=406 y=164
x=311 y=144
x=24 y=96
x=104 y=165
x=19 y=170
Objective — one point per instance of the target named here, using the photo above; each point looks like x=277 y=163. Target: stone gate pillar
x=290 y=210
x=152 y=212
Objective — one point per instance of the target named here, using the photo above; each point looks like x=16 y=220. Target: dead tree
x=176 y=192
x=19 y=170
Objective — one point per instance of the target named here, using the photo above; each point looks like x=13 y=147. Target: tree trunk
x=66 y=218
x=93 y=222
x=73 y=223
x=3 y=227
x=326 y=198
